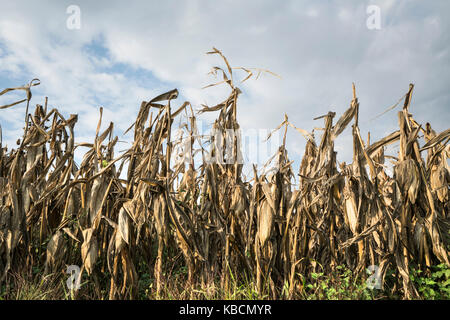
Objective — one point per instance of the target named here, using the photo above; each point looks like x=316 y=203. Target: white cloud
x=318 y=59
x=312 y=12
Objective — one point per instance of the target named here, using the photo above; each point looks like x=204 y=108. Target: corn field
x=119 y=215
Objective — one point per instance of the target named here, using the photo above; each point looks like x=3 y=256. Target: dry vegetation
x=162 y=219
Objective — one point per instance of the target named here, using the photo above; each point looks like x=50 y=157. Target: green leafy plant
x=434 y=284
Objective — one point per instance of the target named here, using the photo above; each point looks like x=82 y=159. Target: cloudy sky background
x=130 y=51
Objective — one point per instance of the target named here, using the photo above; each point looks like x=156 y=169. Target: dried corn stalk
x=205 y=215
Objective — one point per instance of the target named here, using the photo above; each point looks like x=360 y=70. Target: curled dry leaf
x=89 y=250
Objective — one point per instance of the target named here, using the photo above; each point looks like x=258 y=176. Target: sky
x=125 y=52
